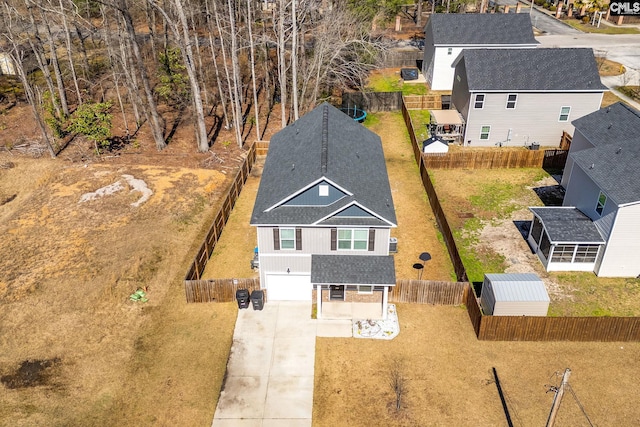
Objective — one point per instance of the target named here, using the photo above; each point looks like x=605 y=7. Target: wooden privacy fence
x=220 y=220
x=403 y=58
x=261 y=148
x=423 y=102
x=497 y=159
x=538 y=328
x=565 y=141
x=217 y=290
x=372 y=102
x=443 y=224
x=428 y=292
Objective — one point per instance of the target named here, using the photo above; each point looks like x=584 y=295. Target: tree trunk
x=236 y=75
x=294 y=60
x=256 y=107
x=282 y=68
x=72 y=68
x=56 y=66
x=187 y=54
x=155 y=119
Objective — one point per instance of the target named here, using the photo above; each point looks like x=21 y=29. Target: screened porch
x=564 y=239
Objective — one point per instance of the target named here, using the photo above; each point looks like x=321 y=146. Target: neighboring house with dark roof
x=323 y=214
x=518 y=97
x=598 y=227
x=447 y=34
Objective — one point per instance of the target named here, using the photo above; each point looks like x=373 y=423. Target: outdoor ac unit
x=393 y=245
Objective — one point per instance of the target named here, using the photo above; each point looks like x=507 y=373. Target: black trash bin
x=257 y=300
x=242 y=295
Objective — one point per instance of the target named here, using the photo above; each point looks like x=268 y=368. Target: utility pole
x=558 y=398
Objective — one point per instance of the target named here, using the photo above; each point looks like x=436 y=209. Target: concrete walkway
x=270 y=370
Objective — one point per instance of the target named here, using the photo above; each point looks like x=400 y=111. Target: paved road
x=542 y=21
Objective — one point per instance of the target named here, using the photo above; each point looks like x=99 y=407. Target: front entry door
x=336 y=293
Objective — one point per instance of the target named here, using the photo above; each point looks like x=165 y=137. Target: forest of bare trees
x=218 y=64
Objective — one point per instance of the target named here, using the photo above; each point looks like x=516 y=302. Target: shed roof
x=533 y=70
x=481 y=29
x=353 y=269
x=567 y=225
x=517 y=287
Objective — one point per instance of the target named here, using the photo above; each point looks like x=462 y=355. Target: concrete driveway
x=270 y=370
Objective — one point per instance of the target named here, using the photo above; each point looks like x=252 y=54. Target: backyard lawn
x=485 y=208
x=416 y=232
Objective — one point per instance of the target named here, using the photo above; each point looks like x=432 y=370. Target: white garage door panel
x=288 y=287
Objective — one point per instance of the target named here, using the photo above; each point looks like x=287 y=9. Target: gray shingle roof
x=613 y=124
x=615 y=168
x=354 y=161
x=614 y=163
x=552 y=69
x=567 y=225
x=481 y=29
x=353 y=269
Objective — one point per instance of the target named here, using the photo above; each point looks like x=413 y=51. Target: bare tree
x=398 y=381
x=256 y=107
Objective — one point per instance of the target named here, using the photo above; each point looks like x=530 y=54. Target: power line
x=579 y=404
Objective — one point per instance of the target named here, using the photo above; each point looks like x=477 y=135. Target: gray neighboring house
x=447 y=34
x=598 y=227
x=521 y=97
x=323 y=214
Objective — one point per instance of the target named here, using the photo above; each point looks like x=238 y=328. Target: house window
x=563 y=253
x=586 y=253
x=356 y=239
x=367 y=290
x=564 y=114
x=287 y=238
x=512 y=98
x=479 y=101
x=324 y=190
x=449 y=51
x=602 y=200
x=484 y=132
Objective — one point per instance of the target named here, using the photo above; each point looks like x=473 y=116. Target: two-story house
x=324 y=212
x=598 y=227
x=447 y=34
x=521 y=97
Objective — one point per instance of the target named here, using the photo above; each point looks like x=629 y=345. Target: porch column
x=385 y=298
x=319 y=302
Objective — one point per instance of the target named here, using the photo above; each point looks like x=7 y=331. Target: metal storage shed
x=515 y=294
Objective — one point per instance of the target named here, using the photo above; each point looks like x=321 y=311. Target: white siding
x=583 y=193
x=314 y=241
x=578 y=143
x=525 y=308
x=622 y=253
x=442 y=68
x=535 y=118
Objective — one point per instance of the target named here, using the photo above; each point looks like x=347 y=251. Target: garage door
x=288 y=287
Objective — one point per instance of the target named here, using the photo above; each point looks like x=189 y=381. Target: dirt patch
x=30 y=373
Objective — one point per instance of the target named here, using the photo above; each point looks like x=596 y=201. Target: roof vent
x=593 y=165
x=610 y=125
x=618 y=150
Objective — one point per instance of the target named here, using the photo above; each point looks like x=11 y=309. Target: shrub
x=585 y=19
x=553 y=8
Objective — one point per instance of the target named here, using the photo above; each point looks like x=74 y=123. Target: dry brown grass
x=67 y=270
x=450 y=381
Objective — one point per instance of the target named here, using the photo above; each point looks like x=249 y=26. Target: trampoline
x=355 y=113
